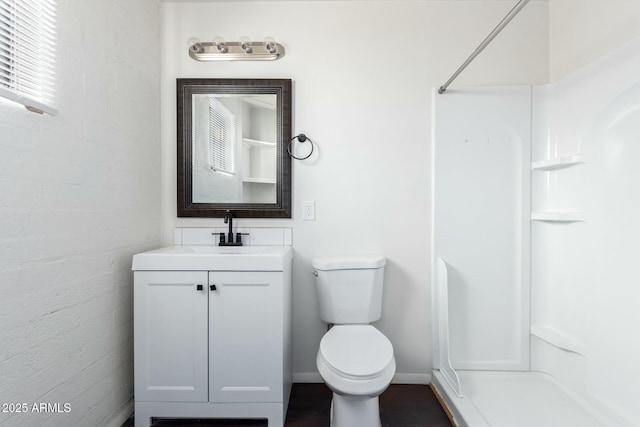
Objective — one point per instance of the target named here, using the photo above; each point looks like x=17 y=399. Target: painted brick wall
x=79 y=195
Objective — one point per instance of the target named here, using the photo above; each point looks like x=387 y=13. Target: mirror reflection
x=234 y=148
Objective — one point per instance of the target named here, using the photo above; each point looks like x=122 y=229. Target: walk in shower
x=536 y=200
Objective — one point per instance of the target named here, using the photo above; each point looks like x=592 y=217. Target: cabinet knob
x=199 y=287
x=213 y=287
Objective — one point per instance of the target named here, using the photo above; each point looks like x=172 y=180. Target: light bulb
x=220 y=44
x=270 y=44
x=195 y=45
x=245 y=43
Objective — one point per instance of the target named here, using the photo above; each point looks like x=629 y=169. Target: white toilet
x=355 y=360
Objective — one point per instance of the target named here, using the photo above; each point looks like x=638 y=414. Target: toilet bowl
x=357 y=364
x=354 y=359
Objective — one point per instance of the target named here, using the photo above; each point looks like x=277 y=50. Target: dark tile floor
x=400 y=406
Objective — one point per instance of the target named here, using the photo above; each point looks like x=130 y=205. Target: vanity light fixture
x=220 y=44
x=242 y=50
x=195 y=45
x=245 y=44
x=270 y=44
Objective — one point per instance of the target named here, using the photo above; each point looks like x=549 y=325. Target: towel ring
x=302 y=138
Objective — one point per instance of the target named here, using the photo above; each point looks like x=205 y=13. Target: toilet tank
x=349 y=288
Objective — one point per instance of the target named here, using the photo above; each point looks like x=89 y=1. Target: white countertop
x=220 y=258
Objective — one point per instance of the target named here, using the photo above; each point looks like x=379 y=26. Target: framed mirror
x=232 y=147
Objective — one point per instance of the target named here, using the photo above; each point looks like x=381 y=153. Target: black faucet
x=228 y=218
x=229 y=241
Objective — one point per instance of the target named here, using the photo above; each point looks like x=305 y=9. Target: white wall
x=580 y=31
x=363 y=73
x=79 y=196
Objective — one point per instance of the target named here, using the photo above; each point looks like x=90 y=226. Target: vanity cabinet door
x=170 y=343
x=246 y=337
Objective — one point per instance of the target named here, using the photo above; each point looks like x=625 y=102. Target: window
x=27 y=53
x=222 y=138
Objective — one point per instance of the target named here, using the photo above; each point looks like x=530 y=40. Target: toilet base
x=355 y=411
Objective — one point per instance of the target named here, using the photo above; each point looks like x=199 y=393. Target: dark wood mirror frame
x=186 y=88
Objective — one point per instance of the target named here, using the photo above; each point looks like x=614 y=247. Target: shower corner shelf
x=557 y=216
x=558 y=163
x=557 y=339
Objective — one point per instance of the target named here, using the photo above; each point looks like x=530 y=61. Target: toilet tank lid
x=348 y=262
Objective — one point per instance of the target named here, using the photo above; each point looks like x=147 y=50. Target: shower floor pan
x=522 y=399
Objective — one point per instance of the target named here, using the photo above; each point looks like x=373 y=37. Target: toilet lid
x=359 y=351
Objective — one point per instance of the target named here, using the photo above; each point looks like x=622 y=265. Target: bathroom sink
x=230 y=250
x=205 y=257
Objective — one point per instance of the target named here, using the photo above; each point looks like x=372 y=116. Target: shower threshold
x=523 y=399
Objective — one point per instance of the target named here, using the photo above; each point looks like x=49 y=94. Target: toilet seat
x=356 y=352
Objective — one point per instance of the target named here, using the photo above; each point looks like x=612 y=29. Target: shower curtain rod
x=484 y=44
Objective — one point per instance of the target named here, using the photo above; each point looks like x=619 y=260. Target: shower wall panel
x=585 y=286
x=482 y=153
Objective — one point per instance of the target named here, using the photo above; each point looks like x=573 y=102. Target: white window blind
x=222 y=138
x=27 y=53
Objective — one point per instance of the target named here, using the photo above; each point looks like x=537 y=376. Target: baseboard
x=411 y=379
x=314 y=377
x=307 y=377
x=122 y=415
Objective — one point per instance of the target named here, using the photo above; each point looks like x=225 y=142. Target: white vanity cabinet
x=171 y=343
x=212 y=344
x=246 y=336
